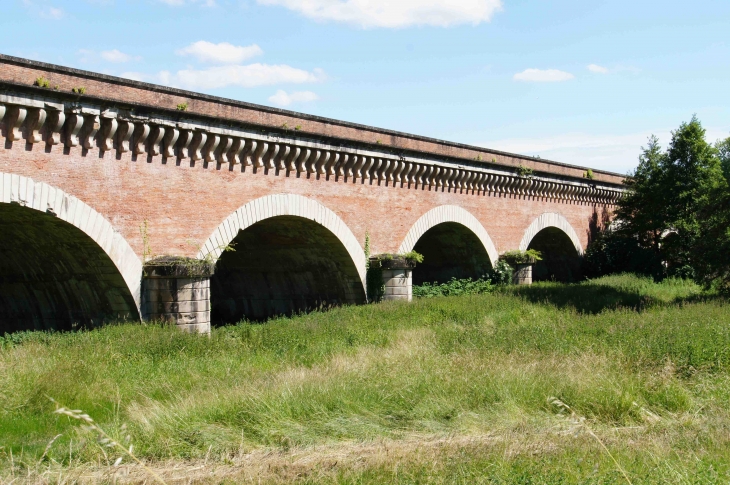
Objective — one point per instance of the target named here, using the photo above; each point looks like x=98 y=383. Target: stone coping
x=389 y=261
x=178 y=267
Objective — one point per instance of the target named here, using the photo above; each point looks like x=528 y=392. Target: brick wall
x=182 y=204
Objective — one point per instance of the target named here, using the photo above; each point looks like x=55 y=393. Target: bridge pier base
x=397 y=277
x=398 y=284
x=177 y=290
x=522 y=274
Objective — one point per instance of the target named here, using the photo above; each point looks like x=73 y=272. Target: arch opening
x=450 y=250
x=561 y=261
x=280 y=266
x=53 y=276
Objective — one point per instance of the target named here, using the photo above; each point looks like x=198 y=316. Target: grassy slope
x=441 y=390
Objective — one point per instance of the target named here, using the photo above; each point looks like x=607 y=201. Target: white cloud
x=616 y=153
x=46 y=11
x=87 y=56
x=115 y=55
x=394 y=13
x=178 y=3
x=597 y=69
x=134 y=76
x=223 y=53
x=52 y=13
x=282 y=98
x=248 y=76
x=543 y=75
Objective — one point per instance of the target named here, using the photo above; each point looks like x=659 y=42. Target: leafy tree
x=723 y=151
x=673 y=219
x=641 y=213
x=713 y=242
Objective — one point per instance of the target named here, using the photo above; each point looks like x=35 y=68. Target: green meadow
x=614 y=380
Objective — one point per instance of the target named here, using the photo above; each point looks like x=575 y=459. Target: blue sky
x=582 y=82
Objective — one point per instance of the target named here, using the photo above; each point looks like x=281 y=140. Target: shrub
x=614 y=253
x=454 y=287
x=501 y=274
x=519 y=256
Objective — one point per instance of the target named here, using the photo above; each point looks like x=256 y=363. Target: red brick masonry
x=181 y=203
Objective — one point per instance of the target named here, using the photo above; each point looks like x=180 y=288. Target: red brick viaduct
x=101 y=177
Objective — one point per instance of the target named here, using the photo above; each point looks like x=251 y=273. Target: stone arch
x=444 y=214
x=25 y=192
x=553 y=236
x=547 y=220
x=284 y=205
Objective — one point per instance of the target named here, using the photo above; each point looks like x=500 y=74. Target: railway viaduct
x=108 y=184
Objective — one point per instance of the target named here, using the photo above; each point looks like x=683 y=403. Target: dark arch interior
x=53 y=276
x=560 y=262
x=280 y=266
x=450 y=250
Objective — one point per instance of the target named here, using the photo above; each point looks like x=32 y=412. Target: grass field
x=444 y=390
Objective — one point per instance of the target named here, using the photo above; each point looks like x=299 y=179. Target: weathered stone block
x=522 y=274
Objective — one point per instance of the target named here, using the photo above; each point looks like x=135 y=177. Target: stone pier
x=177 y=290
x=522 y=274
x=397 y=277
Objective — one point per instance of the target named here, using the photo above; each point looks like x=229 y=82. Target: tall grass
x=456 y=388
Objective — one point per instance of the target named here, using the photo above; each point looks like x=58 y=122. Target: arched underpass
x=450 y=250
x=54 y=276
x=560 y=259
x=279 y=266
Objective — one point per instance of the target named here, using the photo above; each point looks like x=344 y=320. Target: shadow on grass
x=591 y=298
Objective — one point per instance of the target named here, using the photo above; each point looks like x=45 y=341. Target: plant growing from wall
x=42 y=82
x=79 y=90
x=523 y=171
x=411 y=257
x=588 y=174
x=182 y=107
x=519 y=256
x=376 y=264
x=144 y=232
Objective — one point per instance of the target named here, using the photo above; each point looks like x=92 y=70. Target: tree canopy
x=674 y=219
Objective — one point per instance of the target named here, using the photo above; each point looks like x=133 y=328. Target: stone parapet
x=114 y=124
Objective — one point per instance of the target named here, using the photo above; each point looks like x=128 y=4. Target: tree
x=713 y=242
x=723 y=151
x=674 y=216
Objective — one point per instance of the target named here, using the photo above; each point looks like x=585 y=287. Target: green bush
x=501 y=274
x=453 y=287
x=519 y=256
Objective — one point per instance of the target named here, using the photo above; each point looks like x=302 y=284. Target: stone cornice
x=19 y=73
x=47 y=116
